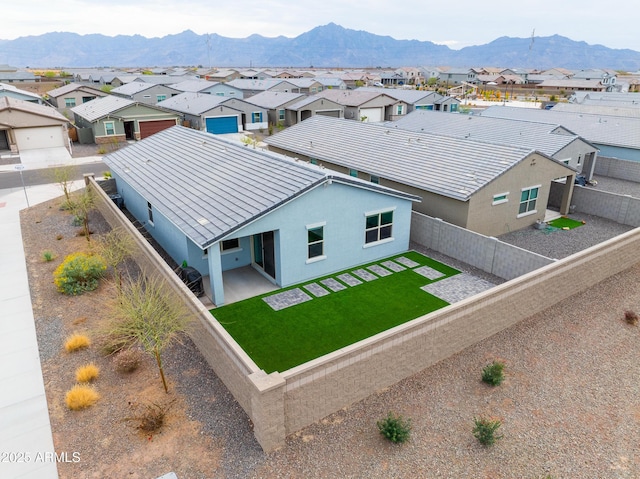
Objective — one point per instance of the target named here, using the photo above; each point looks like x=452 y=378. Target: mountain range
x=327 y=46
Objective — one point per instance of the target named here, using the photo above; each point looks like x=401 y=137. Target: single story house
x=555 y=141
x=71 y=95
x=250 y=87
x=224 y=75
x=9 y=74
x=366 y=106
x=35 y=133
x=276 y=104
x=220 y=207
x=148 y=93
x=217 y=114
x=115 y=119
x=10 y=91
x=484 y=187
x=194 y=85
x=414 y=99
x=308 y=106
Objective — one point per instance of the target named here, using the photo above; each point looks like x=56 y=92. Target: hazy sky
x=457 y=24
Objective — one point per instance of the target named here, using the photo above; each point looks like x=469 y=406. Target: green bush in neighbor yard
x=493 y=373
x=395 y=428
x=484 y=430
x=78 y=273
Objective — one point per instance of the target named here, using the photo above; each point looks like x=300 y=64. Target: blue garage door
x=222 y=124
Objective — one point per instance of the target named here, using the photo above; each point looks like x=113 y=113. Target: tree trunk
x=159 y=361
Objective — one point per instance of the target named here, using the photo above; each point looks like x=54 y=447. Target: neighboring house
x=332 y=83
x=217 y=114
x=572 y=85
x=226 y=90
x=606 y=77
x=615 y=137
x=13 y=92
x=484 y=187
x=9 y=74
x=276 y=103
x=414 y=99
x=456 y=76
x=148 y=93
x=309 y=106
x=115 y=119
x=553 y=140
x=35 y=133
x=308 y=86
x=194 y=85
x=251 y=87
x=222 y=75
x=71 y=95
x=220 y=206
x=366 y=106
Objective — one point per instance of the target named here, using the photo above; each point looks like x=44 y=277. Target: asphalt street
x=42 y=176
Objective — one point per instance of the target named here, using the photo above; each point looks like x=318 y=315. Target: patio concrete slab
x=347 y=279
x=409 y=263
x=316 y=290
x=458 y=287
x=287 y=298
x=429 y=273
x=333 y=284
x=393 y=266
x=364 y=274
x=379 y=270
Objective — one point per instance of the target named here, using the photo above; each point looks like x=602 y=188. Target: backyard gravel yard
x=569 y=403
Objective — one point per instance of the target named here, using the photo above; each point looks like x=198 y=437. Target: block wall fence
x=282 y=403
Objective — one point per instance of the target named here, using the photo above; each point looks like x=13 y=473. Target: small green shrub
x=78 y=273
x=493 y=373
x=485 y=430
x=395 y=428
x=106 y=175
x=48 y=256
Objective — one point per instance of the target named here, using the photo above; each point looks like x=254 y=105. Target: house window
x=220 y=93
x=146 y=96
x=528 y=199
x=399 y=110
x=500 y=198
x=281 y=115
x=353 y=173
x=161 y=97
x=150 y=213
x=315 y=242
x=228 y=245
x=579 y=160
x=374 y=179
x=109 y=128
x=69 y=102
x=313 y=161
x=378 y=227
x=256 y=117
x=85 y=99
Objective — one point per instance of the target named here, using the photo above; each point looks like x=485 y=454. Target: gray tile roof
x=408 y=96
x=535 y=136
x=192 y=103
x=13 y=89
x=598 y=107
x=598 y=129
x=452 y=167
x=209 y=187
x=273 y=99
x=30 y=107
x=132 y=88
x=101 y=107
x=352 y=97
x=63 y=90
x=193 y=85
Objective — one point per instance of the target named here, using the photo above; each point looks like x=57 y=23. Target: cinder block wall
x=622 y=209
x=617 y=168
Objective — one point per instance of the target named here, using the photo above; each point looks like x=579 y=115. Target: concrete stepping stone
x=393 y=266
x=429 y=273
x=379 y=270
x=364 y=274
x=346 y=278
x=316 y=290
x=458 y=287
x=333 y=284
x=287 y=298
x=409 y=263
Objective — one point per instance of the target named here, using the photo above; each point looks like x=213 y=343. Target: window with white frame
x=161 y=97
x=256 y=117
x=528 y=198
x=374 y=179
x=109 y=128
x=230 y=245
x=379 y=226
x=500 y=198
x=315 y=241
x=69 y=102
x=400 y=110
x=353 y=172
x=281 y=115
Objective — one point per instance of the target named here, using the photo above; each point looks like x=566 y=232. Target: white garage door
x=35 y=138
x=372 y=114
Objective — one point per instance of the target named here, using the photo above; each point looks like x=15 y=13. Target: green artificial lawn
x=280 y=340
x=565 y=223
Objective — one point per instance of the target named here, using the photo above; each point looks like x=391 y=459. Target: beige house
x=72 y=95
x=487 y=188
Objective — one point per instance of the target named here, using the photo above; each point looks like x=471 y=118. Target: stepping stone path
x=379 y=270
x=346 y=278
x=333 y=285
x=393 y=266
x=458 y=287
x=409 y=263
x=364 y=274
x=316 y=290
x=429 y=273
x=287 y=298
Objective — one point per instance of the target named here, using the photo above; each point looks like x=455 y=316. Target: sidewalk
x=45 y=164
x=26 y=441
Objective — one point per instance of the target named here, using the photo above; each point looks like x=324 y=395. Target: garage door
x=333 y=113
x=372 y=114
x=148 y=128
x=35 y=138
x=222 y=124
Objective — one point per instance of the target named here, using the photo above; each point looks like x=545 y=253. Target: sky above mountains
x=455 y=24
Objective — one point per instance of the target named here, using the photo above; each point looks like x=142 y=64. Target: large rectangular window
x=109 y=128
x=379 y=226
x=528 y=199
x=256 y=117
x=315 y=242
x=69 y=102
x=228 y=245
